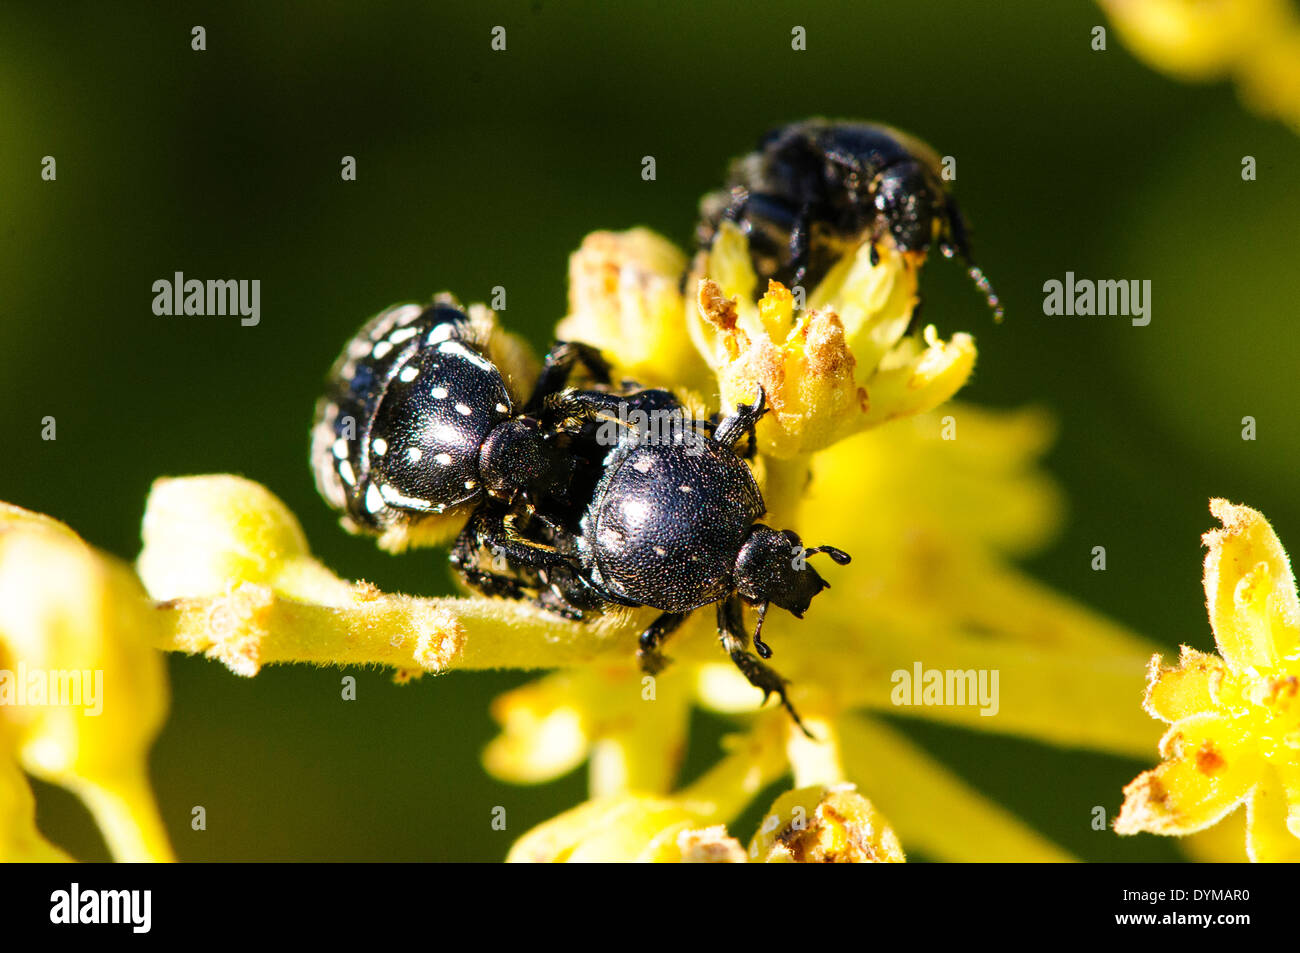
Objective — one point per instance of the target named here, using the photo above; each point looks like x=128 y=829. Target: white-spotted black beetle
x=417 y=422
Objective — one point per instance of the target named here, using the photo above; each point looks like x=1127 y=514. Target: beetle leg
x=498 y=531
x=731 y=632
x=584 y=405
x=800 y=245
x=742 y=422
x=558 y=365
x=468 y=559
x=648 y=654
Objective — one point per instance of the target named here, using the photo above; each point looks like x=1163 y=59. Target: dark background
x=478 y=168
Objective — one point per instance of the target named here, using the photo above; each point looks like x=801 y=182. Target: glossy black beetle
x=816 y=189
x=417 y=422
x=665 y=523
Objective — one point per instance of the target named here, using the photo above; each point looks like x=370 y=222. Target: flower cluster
x=932 y=499
x=1234 y=718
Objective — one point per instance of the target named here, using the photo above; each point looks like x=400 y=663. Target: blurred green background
x=478 y=168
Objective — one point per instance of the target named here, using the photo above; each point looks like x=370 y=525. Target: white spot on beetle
x=502 y=408
x=443 y=458
x=374 y=502
x=340 y=448
x=408 y=374
x=685 y=488
x=380 y=349
x=463 y=410
x=407 y=313
x=471 y=484
x=636 y=512
x=345 y=471
x=439 y=393
x=414 y=454
x=441 y=332
x=460 y=350
x=402 y=334
x=643 y=463
x=380 y=446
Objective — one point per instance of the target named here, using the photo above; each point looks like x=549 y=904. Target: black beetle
x=814 y=190
x=417 y=422
x=666 y=520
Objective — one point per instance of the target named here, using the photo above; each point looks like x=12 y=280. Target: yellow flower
x=843 y=364
x=1234 y=717
x=507 y=352
x=818 y=824
x=83 y=693
x=1255 y=42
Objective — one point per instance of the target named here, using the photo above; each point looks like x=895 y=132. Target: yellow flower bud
x=203 y=535
x=821 y=824
x=625 y=298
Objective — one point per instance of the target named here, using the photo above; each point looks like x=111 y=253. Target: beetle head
x=773 y=567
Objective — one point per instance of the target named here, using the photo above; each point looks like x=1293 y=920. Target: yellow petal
x=1207 y=773
x=932 y=809
x=20 y=841
x=1270 y=822
x=1189 y=689
x=966 y=472
x=543 y=735
x=1288 y=776
x=1250 y=590
x=633 y=727
x=914 y=379
x=1269 y=80
x=874 y=301
x=1196 y=39
x=1060 y=696
x=1221 y=843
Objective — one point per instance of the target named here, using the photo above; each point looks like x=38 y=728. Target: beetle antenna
x=990 y=296
x=840 y=556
